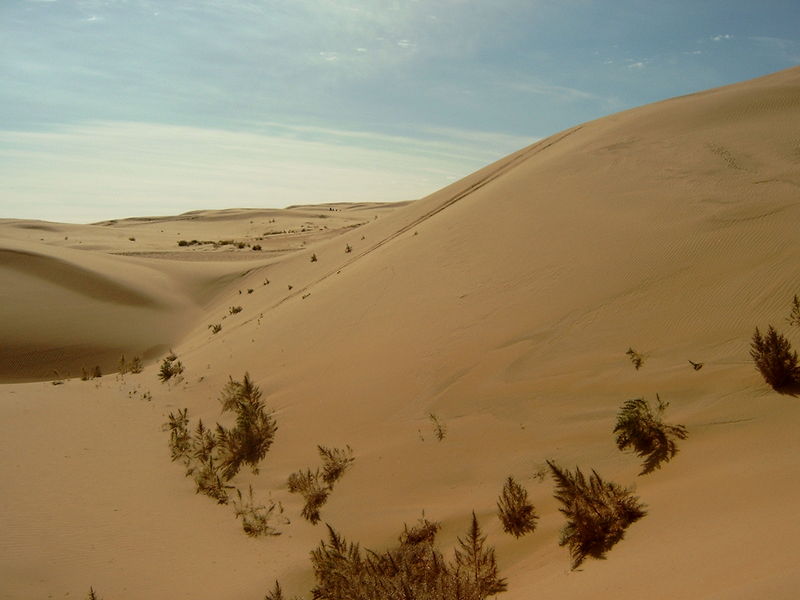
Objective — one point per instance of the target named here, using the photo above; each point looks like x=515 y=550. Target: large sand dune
x=503 y=303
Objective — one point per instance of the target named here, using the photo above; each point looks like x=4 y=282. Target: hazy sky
x=114 y=108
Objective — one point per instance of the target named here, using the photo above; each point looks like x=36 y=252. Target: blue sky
x=114 y=108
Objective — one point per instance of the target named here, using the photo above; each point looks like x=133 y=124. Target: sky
x=116 y=108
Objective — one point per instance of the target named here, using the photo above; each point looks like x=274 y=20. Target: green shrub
x=640 y=428
x=598 y=513
x=516 y=513
x=775 y=359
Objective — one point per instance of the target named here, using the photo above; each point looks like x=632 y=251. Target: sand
x=503 y=303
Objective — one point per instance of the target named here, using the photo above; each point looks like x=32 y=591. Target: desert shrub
x=215 y=327
x=415 y=569
x=774 y=358
x=640 y=428
x=335 y=461
x=516 y=513
x=256 y=518
x=250 y=290
x=93 y=373
x=276 y=593
x=209 y=481
x=316 y=486
x=235 y=309
x=136 y=366
x=636 y=358
x=130 y=366
x=314 y=257
x=348 y=249
x=249 y=441
x=180 y=442
x=439 y=428
x=92 y=595
x=183 y=243
x=170 y=367
x=598 y=513
x=794 y=316
x=309 y=485
x=256 y=247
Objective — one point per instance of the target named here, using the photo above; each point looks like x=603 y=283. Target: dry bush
x=170 y=367
x=308 y=484
x=439 y=428
x=598 y=513
x=636 y=358
x=257 y=518
x=251 y=438
x=640 y=428
x=92 y=595
x=775 y=359
x=180 y=442
x=315 y=487
x=413 y=570
x=515 y=511
x=335 y=461
x=215 y=327
x=130 y=366
x=235 y=309
x=794 y=315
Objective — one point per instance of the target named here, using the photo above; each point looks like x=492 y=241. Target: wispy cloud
x=111 y=169
x=721 y=37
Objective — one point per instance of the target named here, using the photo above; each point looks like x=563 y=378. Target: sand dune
x=503 y=303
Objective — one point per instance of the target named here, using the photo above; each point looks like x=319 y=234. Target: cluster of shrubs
x=214 y=456
x=413 y=569
x=315 y=486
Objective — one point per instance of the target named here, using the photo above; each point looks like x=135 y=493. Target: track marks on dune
x=501 y=170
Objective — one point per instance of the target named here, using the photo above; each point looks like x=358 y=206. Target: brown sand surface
x=503 y=303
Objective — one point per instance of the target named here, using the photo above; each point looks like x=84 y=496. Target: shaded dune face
x=51 y=271
x=76 y=312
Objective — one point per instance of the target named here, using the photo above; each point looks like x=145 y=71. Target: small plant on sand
x=308 y=484
x=641 y=428
x=170 y=367
x=257 y=518
x=415 y=569
x=277 y=593
x=439 y=428
x=93 y=373
x=92 y=595
x=234 y=309
x=314 y=257
x=636 y=358
x=215 y=327
x=515 y=511
x=130 y=366
x=249 y=441
x=180 y=442
x=348 y=249
x=598 y=512
x=316 y=486
x=335 y=461
x=136 y=366
x=775 y=359
x=794 y=316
